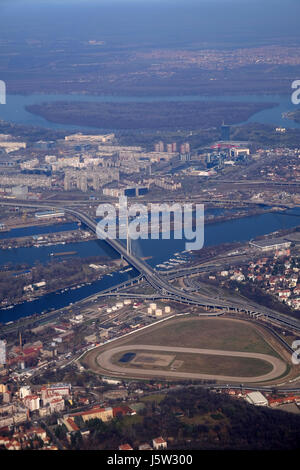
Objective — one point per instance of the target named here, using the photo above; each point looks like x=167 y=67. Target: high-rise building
x=185 y=148
x=2 y=352
x=67 y=182
x=82 y=183
x=225 y=132
x=96 y=182
x=159 y=147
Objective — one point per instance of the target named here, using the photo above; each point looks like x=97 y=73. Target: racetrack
x=103 y=360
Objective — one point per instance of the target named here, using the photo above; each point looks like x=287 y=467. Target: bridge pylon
x=128 y=242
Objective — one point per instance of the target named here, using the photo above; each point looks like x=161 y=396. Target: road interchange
x=162 y=285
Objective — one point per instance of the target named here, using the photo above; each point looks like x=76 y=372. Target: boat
x=64 y=253
x=125 y=270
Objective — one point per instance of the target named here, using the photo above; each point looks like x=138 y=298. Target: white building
x=32 y=402
x=159 y=443
x=49 y=214
x=24 y=391
x=257 y=399
x=56 y=405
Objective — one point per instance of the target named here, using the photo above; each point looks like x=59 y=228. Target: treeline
x=56 y=274
x=157 y=115
x=264 y=134
x=194 y=418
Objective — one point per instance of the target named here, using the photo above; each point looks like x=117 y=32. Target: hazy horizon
x=163 y=23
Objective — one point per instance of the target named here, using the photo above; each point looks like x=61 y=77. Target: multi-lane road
x=162 y=285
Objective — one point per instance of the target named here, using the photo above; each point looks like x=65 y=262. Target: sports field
x=187 y=362
x=193 y=347
x=210 y=333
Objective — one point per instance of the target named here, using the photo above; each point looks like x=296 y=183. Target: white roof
x=256 y=398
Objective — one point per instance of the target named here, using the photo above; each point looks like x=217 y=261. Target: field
x=193 y=348
x=185 y=362
x=212 y=333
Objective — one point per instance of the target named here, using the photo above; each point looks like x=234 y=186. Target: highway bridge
x=161 y=284
x=164 y=289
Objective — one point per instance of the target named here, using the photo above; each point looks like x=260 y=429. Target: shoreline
x=27 y=317
x=207 y=221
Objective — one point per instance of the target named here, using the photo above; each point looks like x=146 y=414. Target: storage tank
x=158 y=312
x=167 y=309
x=127 y=302
x=119 y=304
x=153 y=306
x=149 y=310
x=108 y=310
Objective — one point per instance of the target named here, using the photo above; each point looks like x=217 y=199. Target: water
x=42 y=254
x=37 y=230
x=14 y=110
x=62 y=299
x=234 y=230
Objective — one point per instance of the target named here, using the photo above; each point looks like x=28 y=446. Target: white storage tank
x=127 y=302
x=108 y=310
x=149 y=310
x=158 y=312
x=114 y=308
x=119 y=304
x=167 y=309
x=153 y=306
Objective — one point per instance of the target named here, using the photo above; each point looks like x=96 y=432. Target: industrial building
x=257 y=399
x=271 y=244
x=128 y=191
x=49 y=214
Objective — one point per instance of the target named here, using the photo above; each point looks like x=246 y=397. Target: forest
x=195 y=418
x=156 y=115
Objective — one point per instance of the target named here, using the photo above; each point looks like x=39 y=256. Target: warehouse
x=49 y=214
x=271 y=244
x=257 y=399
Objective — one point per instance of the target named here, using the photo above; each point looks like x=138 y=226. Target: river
x=161 y=250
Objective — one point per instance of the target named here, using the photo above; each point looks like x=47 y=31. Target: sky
x=163 y=21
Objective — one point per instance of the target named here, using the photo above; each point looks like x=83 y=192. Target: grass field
x=206 y=364
x=223 y=334
x=227 y=335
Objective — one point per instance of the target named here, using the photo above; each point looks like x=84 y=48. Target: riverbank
x=57 y=276
x=38 y=235
x=48 y=239
x=237 y=230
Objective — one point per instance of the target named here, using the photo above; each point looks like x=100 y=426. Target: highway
x=166 y=290
x=161 y=284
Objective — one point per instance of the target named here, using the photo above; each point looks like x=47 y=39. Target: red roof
x=123 y=410
x=125 y=447
x=89 y=412
x=159 y=440
x=72 y=424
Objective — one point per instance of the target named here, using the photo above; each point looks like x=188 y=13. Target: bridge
x=161 y=284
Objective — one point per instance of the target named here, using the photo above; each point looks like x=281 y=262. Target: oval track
x=104 y=361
